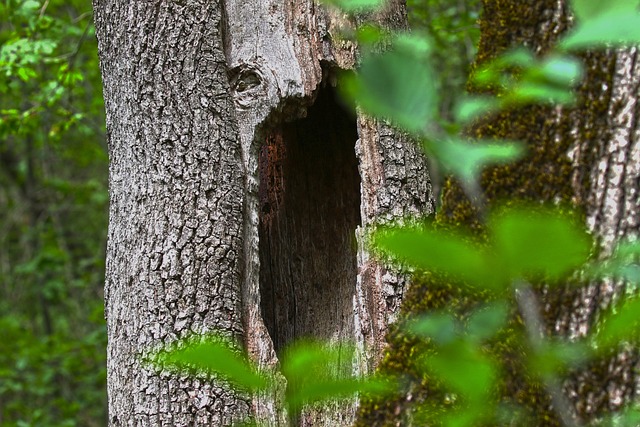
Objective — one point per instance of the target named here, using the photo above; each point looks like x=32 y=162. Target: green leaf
x=539 y=93
x=466 y=160
x=438 y=251
x=485 y=322
x=492 y=72
x=618 y=324
x=443 y=328
x=561 y=70
x=628 y=249
x=586 y=10
x=30 y=5
x=214 y=355
x=533 y=241
x=354 y=5
x=368 y=35
x=473 y=107
x=555 y=357
x=464 y=369
x=617 y=28
x=317 y=372
x=397 y=85
x=622 y=264
x=628 y=417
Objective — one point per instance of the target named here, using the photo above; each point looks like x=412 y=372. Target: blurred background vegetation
x=54 y=200
x=53 y=216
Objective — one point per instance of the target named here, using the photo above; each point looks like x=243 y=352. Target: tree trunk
x=240 y=191
x=585 y=156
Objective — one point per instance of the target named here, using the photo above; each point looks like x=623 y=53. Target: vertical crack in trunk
x=309 y=210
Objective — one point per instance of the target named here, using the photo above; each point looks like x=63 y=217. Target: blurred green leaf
x=533 y=241
x=317 y=372
x=555 y=357
x=619 y=324
x=214 y=355
x=397 y=85
x=629 y=417
x=439 y=251
x=354 y=5
x=466 y=159
x=586 y=10
x=539 y=93
x=443 y=328
x=493 y=72
x=465 y=369
x=472 y=107
x=486 y=321
x=559 y=69
x=617 y=27
x=621 y=265
x=369 y=34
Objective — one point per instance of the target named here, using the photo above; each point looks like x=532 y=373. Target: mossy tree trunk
x=240 y=187
x=587 y=156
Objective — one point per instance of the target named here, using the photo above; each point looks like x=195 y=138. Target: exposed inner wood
x=309 y=210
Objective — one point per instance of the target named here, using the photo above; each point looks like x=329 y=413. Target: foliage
x=315 y=372
x=53 y=214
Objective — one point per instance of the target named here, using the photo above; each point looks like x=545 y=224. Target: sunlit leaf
x=30 y=5
x=539 y=242
x=214 y=355
x=397 y=85
x=439 y=251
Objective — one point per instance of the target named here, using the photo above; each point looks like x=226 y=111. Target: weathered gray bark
x=210 y=162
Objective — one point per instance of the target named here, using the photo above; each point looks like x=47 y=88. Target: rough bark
x=230 y=210
x=177 y=192
x=585 y=156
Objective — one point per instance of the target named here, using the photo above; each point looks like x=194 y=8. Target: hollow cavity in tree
x=309 y=210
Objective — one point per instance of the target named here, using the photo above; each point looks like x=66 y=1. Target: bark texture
x=240 y=193
x=586 y=156
x=176 y=214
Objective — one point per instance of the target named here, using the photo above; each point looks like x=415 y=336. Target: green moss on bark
x=547 y=174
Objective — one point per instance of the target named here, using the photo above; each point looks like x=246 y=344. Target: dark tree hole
x=309 y=210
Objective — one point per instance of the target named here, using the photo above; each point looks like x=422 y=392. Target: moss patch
x=547 y=174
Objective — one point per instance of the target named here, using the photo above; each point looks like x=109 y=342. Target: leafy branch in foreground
x=520 y=246
x=315 y=372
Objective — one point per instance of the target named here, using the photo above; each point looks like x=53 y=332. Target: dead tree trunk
x=240 y=189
